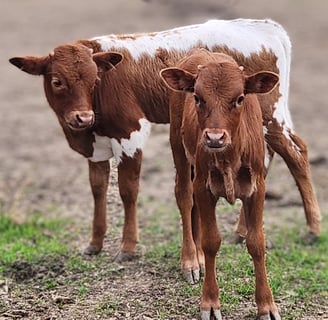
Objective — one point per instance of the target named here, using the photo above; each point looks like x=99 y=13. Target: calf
x=223 y=139
x=105 y=104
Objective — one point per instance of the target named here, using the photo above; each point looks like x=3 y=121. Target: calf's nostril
x=215 y=138
x=79 y=119
x=84 y=118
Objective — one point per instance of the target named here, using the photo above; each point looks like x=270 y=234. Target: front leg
x=128 y=182
x=255 y=242
x=98 y=177
x=211 y=241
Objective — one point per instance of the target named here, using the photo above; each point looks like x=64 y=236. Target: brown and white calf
x=223 y=139
x=105 y=92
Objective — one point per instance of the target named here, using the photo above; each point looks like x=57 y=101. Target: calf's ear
x=261 y=82
x=31 y=65
x=178 y=79
x=107 y=60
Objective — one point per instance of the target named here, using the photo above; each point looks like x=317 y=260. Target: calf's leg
x=253 y=210
x=294 y=152
x=184 y=198
x=240 y=227
x=128 y=182
x=196 y=234
x=98 y=177
x=211 y=241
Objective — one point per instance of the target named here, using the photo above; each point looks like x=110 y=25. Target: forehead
x=220 y=77
x=74 y=53
x=72 y=59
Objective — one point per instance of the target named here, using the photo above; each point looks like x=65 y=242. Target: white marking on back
x=247 y=36
x=244 y=35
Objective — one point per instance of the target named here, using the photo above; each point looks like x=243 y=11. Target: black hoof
x=91 y=250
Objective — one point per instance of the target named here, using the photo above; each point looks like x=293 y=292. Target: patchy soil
x=39 y=172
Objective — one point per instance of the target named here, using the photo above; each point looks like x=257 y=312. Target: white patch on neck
x=102 y=149
x=105 y=148
x=136 y=141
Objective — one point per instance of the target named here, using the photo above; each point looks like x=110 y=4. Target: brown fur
x=233 y=169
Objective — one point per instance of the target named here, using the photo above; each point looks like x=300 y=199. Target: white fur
x=105 y=148
x=247 y=36
x=102 y=149
x=136 y=141
x=244 y=35
x=267 y=158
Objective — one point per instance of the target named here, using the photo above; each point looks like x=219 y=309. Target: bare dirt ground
x=39 y=172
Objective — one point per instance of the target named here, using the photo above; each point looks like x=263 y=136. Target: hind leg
x=184 y=198
x=190 y=250
x=294 y=152
x=128 y=182
x=240 y=226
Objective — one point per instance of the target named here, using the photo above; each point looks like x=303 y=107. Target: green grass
x=29 y=241
x=38 y=250
x=298 y=273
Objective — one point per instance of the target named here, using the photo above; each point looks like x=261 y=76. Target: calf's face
x=70 y=74
x=219 y=88
x=218 y=97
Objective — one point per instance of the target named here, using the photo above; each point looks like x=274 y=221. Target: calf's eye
x=240 y=100
x=56 y=83
x=197 y=99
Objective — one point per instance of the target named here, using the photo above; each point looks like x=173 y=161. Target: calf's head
x=70 y=74
x=219 y=88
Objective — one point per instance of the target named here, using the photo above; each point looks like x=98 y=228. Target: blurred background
x=37 y=168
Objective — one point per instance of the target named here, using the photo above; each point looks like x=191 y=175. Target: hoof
x=310 y=238
x=211 y=315
x=192 y=276
x=270 y=316
x=91 y=250
x=124 y=256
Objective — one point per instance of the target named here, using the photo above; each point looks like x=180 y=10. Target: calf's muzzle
x=79 y=120
x=216 y=138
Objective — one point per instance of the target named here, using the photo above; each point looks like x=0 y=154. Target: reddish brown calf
x=74 y=91
x=223 y=139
